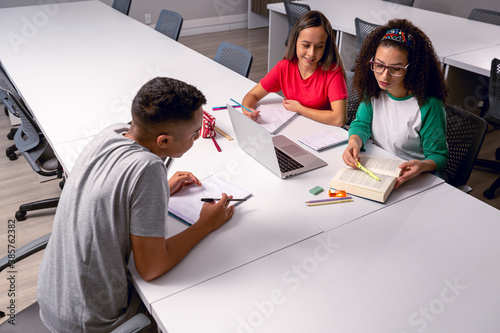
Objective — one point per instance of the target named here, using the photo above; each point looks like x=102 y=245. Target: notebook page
x=274 y=116
x=186 y=204
x=323 y=140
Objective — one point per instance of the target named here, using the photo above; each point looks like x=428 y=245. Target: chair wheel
x=10 y=136
x=12 y=156
x=489 y=194
x=20 y=216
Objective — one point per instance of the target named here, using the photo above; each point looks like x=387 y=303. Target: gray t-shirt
x=116 y=188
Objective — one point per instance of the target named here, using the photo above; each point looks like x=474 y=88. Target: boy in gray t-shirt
x=114 y=202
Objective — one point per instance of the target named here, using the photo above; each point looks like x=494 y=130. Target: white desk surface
x=426 y=264
x=478 y=61
x=449 y=34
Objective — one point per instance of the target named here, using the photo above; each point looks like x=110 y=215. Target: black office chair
x=492 y=116
x=352 y=99
x=30 y=141
x=465 y=135
x=122 y=6
x=363 y=29
x=402 y=2
x=234 y=57
x=28 y=320
x=7 y=85
x=169 y=23
x=485 y=15
x=293 y=11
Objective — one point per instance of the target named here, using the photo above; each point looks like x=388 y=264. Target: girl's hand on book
x=413 y=168
x=351 y=153
x=181 y=179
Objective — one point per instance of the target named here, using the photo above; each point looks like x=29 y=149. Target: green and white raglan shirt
x=402 y=127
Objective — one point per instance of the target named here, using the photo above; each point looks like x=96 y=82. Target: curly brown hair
x=424 y=77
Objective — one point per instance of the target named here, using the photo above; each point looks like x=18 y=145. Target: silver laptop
x=277 y=153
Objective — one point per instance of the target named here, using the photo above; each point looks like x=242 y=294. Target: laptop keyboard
x=286 y=162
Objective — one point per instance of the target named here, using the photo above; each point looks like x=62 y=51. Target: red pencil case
x=208 y=127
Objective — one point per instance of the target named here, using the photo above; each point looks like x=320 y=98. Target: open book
x=274 y=117
x=357 y=182
x=186 y=204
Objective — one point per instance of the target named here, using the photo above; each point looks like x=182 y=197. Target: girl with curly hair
x=311 y=75
x=402 y=92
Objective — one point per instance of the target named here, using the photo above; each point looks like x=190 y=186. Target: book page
x=375 y=164
x=361 y=179
x=186 y=204
x=274 y=116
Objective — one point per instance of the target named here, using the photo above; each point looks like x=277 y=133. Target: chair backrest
x=234 y=57
x=122 y=6
x=169 y=23
x=363 y=29
x=352 y=99
x=485 y=15
x=7 y=85
x=293 y=12
x=28 y=135
x=492 y=115
x=30 y=141
x=465 y=134
x=402 y=2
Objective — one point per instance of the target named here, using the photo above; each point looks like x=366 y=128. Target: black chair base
x=492 y=165
x=41 y=204
x=11 y=133
x=11 y=152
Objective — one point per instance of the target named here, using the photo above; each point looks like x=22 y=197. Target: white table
x=91 y=83
x=427 y=264
x=477 y=61
x=450 y=35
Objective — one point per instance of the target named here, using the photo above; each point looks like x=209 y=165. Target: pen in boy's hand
x=217 y=199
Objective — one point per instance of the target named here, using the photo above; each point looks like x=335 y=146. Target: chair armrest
x=25 y=251
x=138 y=323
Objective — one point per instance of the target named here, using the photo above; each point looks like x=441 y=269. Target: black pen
x=214 y=199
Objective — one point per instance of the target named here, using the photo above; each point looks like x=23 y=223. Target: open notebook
x=186 y=204
x=274 y=117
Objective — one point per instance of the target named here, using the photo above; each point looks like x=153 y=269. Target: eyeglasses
x=393 y=70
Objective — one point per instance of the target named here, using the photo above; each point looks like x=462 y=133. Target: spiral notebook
x=185 y=205
x=274 y=117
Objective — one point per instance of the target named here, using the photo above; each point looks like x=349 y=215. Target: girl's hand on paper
x=254 y=115
x=181 y=179
x=291 y=105
x=214 y=215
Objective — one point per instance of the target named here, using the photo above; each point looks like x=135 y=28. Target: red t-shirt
x=316 y=92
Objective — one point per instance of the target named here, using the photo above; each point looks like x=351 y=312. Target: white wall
x=200 y=16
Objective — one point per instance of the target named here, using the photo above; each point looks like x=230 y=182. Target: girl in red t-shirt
x=311 y=75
